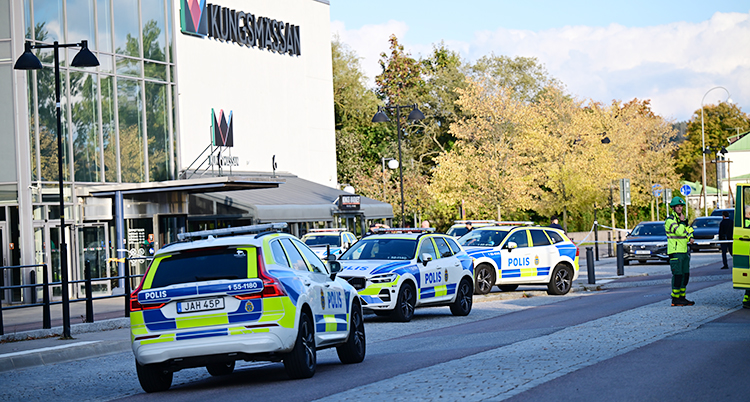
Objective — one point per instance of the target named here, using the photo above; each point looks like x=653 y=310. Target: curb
x=59 y=354
x=104 y=325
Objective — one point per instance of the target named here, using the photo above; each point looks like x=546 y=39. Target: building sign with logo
x=222 y=135
x=202 y=19
x=349 y=202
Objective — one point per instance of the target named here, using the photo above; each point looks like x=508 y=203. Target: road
x=622 y=343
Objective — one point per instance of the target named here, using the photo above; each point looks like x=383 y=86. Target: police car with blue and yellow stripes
x=396 y=270
x=510 y=254
x=224 y=295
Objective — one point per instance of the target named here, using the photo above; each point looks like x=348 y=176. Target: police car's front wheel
x=561 y=281
x=353 y=350
x=484 y=279
x=153 y=377
x=464 y=299
x=407 y=299
x=302 y=360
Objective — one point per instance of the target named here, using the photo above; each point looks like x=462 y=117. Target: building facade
x=189 y=97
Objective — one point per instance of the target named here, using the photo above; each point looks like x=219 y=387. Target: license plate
x=643 y=251
x=200 y=305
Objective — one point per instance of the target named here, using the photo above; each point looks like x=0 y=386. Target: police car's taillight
x=271 y=286
x=578 y=251
x=136 y=306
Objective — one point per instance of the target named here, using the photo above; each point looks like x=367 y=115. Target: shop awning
x=201 y=185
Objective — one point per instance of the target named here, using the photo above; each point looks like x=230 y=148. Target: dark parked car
x=647 y=242
x=706 y=233
x=717 y=212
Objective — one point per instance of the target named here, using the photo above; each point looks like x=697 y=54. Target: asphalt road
x=622 y=343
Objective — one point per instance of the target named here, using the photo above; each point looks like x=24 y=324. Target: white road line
x=28 y=352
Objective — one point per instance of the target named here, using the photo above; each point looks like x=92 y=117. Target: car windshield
x=322 y=240
x=649 y=229
x=483 y=238
x=382 y=249
x=706 y=223
x=457 y=231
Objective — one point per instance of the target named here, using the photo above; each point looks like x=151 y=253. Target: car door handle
x=328 y=285
x=745 y=238
x=306 y=282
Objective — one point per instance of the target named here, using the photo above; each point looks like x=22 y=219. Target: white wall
x=282 y=105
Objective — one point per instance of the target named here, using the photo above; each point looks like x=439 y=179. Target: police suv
x=322 y=240
x=210 y=300
x=509 y=255
x=396 y=270
x=460 y=228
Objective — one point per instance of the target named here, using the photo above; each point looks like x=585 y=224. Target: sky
x=674 y=53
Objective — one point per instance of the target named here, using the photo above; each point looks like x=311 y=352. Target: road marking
x=28 y=352
x=510 y=370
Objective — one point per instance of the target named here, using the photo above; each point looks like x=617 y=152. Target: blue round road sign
x=685 y=190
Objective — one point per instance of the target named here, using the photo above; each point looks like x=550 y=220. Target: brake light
x=271 y=286
x=578 y=250
x=136 y=306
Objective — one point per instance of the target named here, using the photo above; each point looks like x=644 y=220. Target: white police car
x=462 y=227
x=509 y=256
x=210 y=302
x=320 y=240
x=396 y=270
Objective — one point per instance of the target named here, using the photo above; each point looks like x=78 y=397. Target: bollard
x=590 y=265
x=609 y=244
x=32 y=281
x=127 y=289
x=620 y=259
x=46 y=320
x=89 y=297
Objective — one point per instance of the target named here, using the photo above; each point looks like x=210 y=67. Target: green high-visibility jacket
x=679 y=234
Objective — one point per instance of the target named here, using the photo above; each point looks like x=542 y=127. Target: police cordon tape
x=699 y=242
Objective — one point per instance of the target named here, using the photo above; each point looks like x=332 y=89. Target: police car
x=460 y=228
x=396 y=270
x=210 y=300
x=510 y=255
x=320 y=240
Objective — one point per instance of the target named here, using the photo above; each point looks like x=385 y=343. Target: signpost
x=656 y=190
x=667 y=198
x=625 y=197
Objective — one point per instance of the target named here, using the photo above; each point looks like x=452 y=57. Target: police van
x=321 y=241
x=396 y=270
x=510 y=255
x=224 y=295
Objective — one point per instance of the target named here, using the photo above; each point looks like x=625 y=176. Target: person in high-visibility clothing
x=679 y=235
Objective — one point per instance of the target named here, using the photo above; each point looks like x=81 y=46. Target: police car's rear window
x=382 y=249
x=322 y=240
x=201 y=265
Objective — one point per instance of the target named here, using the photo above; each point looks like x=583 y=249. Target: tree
x=525 y=75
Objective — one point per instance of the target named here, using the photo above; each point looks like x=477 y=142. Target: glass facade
x=117 y=118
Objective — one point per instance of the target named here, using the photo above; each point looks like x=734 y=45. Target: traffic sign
x=667 y=194
x=656 y=189
x=685 y=190
x=624 y=191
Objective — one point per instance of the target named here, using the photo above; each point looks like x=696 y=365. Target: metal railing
x=46 y=285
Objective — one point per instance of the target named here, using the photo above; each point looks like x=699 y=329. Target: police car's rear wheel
x=153 y=377
x=484 y=279
x=561 y=281
x=407 y=299
x=220 y=369
x=508 y=288
x=353 y=351
x=464 y=299
x=302 y=360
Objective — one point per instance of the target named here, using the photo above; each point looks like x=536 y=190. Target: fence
x=46 y=285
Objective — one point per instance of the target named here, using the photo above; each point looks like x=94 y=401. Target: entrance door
x=47 y=251
x=92 y=253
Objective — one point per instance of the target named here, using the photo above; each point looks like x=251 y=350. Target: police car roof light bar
x=232 y=231
x=403 y=230
x=515 y=223
x=487 y=221
x=327 y=230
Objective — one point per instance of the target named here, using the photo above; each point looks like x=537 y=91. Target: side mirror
x=331 y=257
x=511 y=245
x=335 y=267
x=426 y=258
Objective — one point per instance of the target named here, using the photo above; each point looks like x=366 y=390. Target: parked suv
x=647 y=242
x=219 y=296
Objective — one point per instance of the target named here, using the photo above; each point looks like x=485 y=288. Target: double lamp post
x=29 y=61
x=381 y=117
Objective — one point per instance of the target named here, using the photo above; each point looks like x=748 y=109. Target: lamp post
x=718 y=151
x=381 y=117
x=29 y=61
x=392 y=164
x=703 y=140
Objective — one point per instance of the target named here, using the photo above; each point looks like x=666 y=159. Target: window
x=427 y=248
x=519 y=238
x=556 y=238
x=381 y=249
x=201 y=265
x=746 y=202
x=443 y=248
x=539 y=239
x=322 y=240
x=454 y=246
x=311 y=258
x=278 y=254
x=295 y=257
x=483 y=238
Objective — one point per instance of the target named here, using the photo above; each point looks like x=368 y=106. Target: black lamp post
x=29 y=61
x=381 y=117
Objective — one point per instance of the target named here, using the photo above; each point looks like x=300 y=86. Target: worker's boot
x=678 y=302
x=687 y=302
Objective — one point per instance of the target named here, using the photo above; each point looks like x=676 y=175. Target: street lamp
x=381 y=117
x=29 y=61
x=717 y=150
x=703 y=140
x=392 y=164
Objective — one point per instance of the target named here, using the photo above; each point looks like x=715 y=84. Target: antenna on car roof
x=232 y=231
